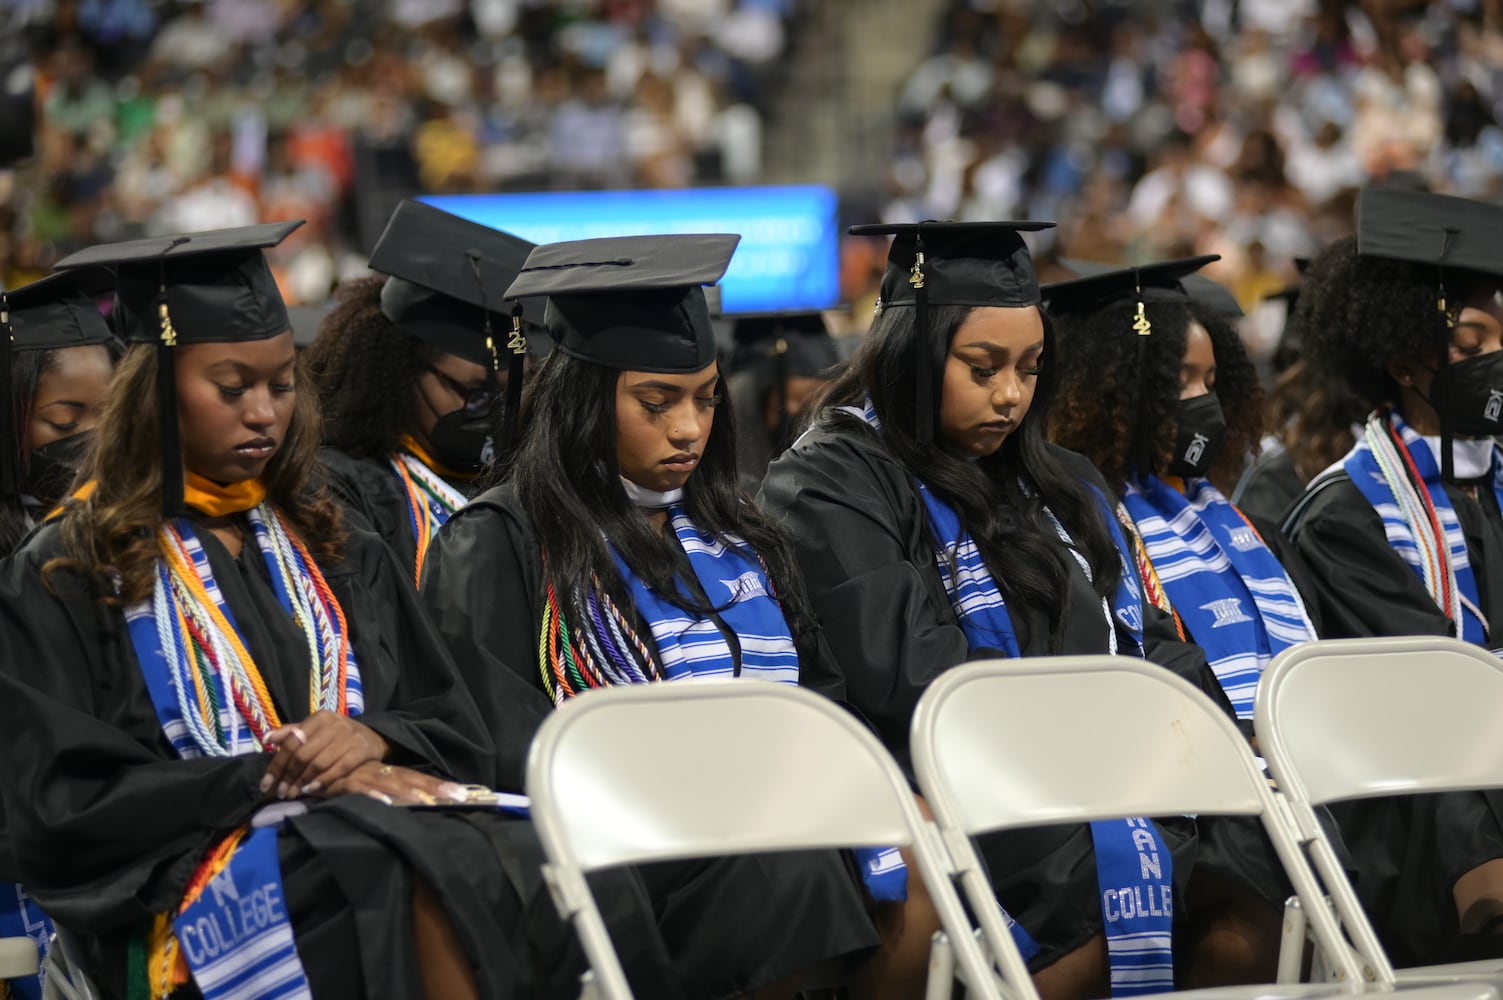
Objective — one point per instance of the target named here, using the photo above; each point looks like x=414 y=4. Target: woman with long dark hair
x=59 y=356
x=620 y=549
x=1404 y=534
x=934 y=525
x=1143 y=360
x=410 y=372
x=213 y=693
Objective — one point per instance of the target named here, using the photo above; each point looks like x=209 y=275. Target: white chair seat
x=18 y=957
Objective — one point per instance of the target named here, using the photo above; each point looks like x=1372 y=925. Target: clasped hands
x=328 y=754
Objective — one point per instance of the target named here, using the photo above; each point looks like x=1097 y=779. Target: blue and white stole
x=236 y=936
x=20 y=916
x=733 y=579
x=1134 y=871
x=736 y=583
x=1396 y=472
x=1232 y=593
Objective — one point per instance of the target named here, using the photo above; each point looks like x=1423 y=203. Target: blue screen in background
x=788 y=258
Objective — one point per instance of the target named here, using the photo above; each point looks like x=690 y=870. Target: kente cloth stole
x=211 y=700
x=1134 y=871
x=1395 y=471
x=736 y=583
x=1232 y=593
x=431 y=501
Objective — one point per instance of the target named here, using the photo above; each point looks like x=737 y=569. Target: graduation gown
x=1269 y=486
x=1410 y=850
x=373 y=498
x=730 y=924
x=863 y=542
x=107 y=823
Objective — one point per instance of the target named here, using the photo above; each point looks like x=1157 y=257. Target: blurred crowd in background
x=1147 y=128
x=1236 y=127
x=163 y=116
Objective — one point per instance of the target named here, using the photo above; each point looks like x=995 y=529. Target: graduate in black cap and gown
x=935 y=525
x=196 y=638
x=1404 y=534
x=780 y=363
x=1157 y=391
x=619 y=549
x=411 y=371
x=58 y=354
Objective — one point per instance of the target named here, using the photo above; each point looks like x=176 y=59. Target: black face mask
x=1202 y=429
x=1474 y=396
x=52 y=466
x=462 y=443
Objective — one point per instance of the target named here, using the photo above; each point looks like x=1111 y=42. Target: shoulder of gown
x=862 y=541
x=372 y=498
x=480 y=587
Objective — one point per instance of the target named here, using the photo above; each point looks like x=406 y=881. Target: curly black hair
x=1099 y=413
x=365 y=369
x=1357 y=314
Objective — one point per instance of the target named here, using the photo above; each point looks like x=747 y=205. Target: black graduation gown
x=1269 y=486
x=863 y=542
x=373 y=498
x=107 y=823
x=730 y=924
x=1408 y=851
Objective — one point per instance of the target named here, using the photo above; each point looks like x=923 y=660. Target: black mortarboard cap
x=446 y=276
x=1213 y=297
x=952 y=264
x=191 y=288
x=60 y=311
x=54 y=313
x=964 y=263
x=630 y=302
x=797 y=343
x=1429 y=228
x=218 y=286
x=1104 y=284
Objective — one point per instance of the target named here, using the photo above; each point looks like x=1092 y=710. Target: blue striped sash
x=1377 y=468
x=1232 y=593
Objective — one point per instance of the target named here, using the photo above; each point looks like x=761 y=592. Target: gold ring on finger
x=385 y=770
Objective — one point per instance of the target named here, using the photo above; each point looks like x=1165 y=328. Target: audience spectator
x=164 y=115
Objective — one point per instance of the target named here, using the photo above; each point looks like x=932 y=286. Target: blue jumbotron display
x=789 y=252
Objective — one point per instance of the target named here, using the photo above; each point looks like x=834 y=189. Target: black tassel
x=1440 y=388
x=1141 y=325
x=10 y=448
x=923 y=401
x=172 y=448
x=517 y=345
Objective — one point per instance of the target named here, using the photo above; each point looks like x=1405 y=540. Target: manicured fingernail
x=312 y=787
x=265 y=784
x=282 y=790
x=380 y=797
x=450 y=790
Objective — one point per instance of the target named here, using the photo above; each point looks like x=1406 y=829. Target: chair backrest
x=1353 y=718
x=1066 y=739
x=713 y=767
x=1060 y=739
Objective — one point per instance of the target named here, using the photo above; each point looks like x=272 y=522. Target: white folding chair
x=1014 y=743
x=748 y=767
x=1357 y=718
x=18 y=957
